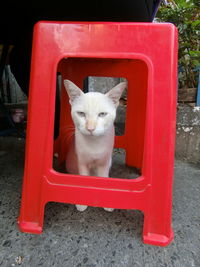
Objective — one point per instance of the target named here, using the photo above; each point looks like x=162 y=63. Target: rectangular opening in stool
x=100 y=75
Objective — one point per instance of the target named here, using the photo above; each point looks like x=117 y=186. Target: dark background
x=17 y=19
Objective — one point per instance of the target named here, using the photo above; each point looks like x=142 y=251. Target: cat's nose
x=90 y=125
x=91 y=129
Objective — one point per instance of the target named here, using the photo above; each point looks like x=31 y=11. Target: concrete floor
x=94 y=237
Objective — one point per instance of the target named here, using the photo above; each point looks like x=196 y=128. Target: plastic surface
x=145 y=54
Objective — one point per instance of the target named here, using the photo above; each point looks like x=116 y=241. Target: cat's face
x=93 y=113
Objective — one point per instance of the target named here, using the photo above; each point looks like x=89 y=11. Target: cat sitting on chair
x=93 y=115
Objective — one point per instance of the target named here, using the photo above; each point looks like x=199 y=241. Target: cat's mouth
x=91 y=134
x=94 y=133
x=86 y=132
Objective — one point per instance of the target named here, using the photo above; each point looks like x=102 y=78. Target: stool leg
x=135 y=127
x=34 y=193
x=32 y=204
x=157 y=217
x=159 y=168
x=27 y=225
x=136 y=116
x=39 y=147
x=158 y=206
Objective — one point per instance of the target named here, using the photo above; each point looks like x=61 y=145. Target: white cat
x=93 y=114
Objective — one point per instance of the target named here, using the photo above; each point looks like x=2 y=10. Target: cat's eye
x=81 y=114
x=102 y=114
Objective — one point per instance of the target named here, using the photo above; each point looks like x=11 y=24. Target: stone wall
x=188 y=133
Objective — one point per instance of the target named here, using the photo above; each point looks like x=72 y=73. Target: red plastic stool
x=146 y=55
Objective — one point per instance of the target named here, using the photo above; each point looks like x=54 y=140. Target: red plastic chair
x=146 y=55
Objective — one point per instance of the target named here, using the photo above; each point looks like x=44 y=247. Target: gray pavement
x=95 y=237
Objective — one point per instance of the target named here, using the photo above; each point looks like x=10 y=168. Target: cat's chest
x=94 y=150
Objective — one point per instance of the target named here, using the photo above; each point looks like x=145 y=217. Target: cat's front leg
x=103 y=171
x=81 y=207
x=83 y=170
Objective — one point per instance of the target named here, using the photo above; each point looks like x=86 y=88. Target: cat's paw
x=81 y=207
x=108 y=209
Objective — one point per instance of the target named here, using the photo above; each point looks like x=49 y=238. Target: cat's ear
x=115 y=93
x=72 y=90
